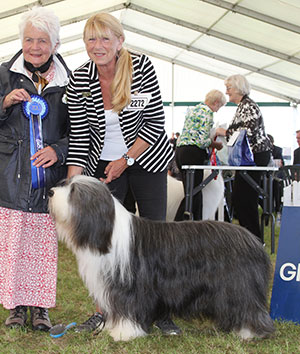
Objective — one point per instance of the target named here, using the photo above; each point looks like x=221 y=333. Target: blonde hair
x=98 y=25
x=215 y=95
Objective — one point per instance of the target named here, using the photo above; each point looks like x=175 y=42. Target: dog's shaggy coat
x=139 y=271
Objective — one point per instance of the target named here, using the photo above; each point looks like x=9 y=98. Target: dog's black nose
x=50 y=193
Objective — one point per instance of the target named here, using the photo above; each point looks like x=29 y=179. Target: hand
x=217 y=145
x=14 y=97
x=220 y=131
x=45 y=157
x=114 y=170
x=74 y=170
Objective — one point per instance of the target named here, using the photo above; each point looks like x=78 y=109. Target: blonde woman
x=117 y=126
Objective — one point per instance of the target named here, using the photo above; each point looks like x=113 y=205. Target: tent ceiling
x=259 y=39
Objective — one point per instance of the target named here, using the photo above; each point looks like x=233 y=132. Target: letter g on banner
x=288 y=275
x=286 y=285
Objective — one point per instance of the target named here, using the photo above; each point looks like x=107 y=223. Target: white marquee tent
x=208 y=38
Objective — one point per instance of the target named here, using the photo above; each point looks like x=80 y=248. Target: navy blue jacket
x=16 y=190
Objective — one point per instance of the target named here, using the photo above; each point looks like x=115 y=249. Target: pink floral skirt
x=28 y=259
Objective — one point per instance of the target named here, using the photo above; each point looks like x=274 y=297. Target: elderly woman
x=248 y=116
x=33 y=148
x=117 y=126
x=195 y=139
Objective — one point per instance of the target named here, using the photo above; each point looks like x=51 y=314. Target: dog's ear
x=93 y=215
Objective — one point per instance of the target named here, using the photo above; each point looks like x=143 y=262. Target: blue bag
x=240 y=154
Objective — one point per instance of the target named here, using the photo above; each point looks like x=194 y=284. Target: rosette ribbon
x=35 y=111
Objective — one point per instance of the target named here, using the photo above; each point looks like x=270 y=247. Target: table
x=266 y=191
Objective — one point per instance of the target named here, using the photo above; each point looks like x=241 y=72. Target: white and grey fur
x=139 y=271
x=213 y=193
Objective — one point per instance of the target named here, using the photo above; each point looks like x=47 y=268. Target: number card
x=139 y=101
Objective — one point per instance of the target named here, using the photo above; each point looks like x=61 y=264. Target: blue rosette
x=35 y=111
x=38 y=106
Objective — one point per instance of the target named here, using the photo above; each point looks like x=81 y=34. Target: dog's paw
x=126 y=330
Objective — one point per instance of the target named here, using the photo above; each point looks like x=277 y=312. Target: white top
x=114 y=145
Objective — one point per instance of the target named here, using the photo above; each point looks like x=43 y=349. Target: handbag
x=239 y=151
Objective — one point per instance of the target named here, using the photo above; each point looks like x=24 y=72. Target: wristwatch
x=129 y=160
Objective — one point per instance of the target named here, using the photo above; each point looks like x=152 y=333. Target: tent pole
x=172 y=97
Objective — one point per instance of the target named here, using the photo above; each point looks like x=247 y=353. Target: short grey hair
x=43 y=19
x=239 y=83
x=215 y=95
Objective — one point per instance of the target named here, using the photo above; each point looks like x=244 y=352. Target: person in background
x=32 y=88
x=296 y=160
x=173 y=141
x=276 y=151
x=192 y=147
x=117 y=127
x=247 y=116
x=278 y=180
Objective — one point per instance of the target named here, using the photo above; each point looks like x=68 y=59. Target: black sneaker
x=94 y=323
x=168 y=327
x=17 y=317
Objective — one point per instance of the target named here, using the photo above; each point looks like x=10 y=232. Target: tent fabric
x=259 y=39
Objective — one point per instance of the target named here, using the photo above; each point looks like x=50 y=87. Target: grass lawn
x=74 y=304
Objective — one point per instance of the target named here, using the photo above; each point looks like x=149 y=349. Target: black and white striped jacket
x=87 y=118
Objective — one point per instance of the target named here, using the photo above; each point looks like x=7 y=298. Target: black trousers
x=277 y=194
x=148 y=189
x=245 y=198
x=191 y=155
